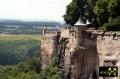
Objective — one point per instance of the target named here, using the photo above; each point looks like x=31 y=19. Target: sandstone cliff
x=81 y=51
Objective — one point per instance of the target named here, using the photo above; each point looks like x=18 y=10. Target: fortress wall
x=108 y=46
x=84 y=61
x=101 y=50
x=83 y=48
x=48 y=48
x=65 y=33
x=51 y=34
x=93 y=52
x=109 y=50
x=80 y=55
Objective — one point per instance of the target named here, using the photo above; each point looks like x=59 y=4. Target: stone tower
x=83 y=52
x=44 y=31
x=80 y=27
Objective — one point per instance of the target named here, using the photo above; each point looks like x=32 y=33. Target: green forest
x=20 y=58
x=14 y=51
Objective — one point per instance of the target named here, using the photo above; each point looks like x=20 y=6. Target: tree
x=101 y=11
x=107 y=12
x=76 y=7
x=113 y=24
x=106 y=9
x=98 y=12
x=73 y=11
x=113 y=8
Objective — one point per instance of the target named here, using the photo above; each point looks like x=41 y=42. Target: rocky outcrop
x=82 y=55
x=48 y=49
x=78 y=58
x=81 y=52
x=61 y=50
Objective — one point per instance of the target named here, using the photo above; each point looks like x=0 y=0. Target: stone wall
x=108 y=47
x=48 y=48
x=81 y=55
x=84 y=51
x=65 y=33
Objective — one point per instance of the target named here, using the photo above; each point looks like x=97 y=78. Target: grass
x=19 y=37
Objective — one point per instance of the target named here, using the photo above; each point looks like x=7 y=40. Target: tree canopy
x=76 y=7
x=103 y=12
x=73 y=12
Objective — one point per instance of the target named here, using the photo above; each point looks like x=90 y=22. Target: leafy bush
x=51 y=72
x=113 y=24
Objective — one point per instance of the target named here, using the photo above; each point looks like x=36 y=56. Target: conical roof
x=80 y=22
x=88 y=22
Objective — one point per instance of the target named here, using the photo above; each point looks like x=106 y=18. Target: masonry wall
x=108 y=48
x=65 y=33
x=96 y=50
x=84 y=52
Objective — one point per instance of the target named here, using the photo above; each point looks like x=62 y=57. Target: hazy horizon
x=32 y=20
x=33 y=10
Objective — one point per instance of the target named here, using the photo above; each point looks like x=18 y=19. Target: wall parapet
x=111 y=34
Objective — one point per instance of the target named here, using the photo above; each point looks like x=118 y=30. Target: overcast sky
x=33 y=9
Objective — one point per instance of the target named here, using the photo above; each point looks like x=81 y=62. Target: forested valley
x=20 y=43
x=20 y=58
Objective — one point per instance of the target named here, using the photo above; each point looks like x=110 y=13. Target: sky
x=33 y=9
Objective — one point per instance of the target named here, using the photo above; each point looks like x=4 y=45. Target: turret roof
x=81 y=23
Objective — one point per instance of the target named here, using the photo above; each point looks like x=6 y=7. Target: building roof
x=88 y=22
x=81 y=23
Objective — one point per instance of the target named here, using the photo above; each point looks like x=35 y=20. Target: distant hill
x=25 y=27
x=29 y=23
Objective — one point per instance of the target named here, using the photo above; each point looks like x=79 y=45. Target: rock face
x=62 y=50
x=81 y=55
x=49 y=48
x=81 y=52
x=108 y=47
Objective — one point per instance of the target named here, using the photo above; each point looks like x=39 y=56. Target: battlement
x=98 y=33
x=51 y=34
x=72 y=34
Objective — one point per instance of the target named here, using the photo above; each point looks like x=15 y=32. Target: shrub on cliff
x=51 y=72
